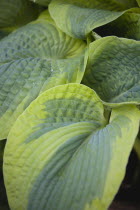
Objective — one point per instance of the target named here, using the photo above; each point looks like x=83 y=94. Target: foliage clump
x=69 y=101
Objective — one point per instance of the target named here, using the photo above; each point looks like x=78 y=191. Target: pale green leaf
x=61 y=154
x=79 y=17
x=35 y=58
x=113 y=70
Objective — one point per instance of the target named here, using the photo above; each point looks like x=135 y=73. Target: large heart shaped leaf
x=34 y=58
x=14 y=13
x=128 y=26
x=113 y=70
x=79 y=17
x=61 y=154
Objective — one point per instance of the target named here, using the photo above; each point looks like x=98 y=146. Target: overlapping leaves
x=113 y=73
x=79 y=18
x=127 y=26
x=65 y=150
x=32 y=59
x=61 y=154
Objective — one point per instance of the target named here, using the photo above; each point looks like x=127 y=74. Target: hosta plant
x=69 y=101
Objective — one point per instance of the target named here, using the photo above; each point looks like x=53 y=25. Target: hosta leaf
x=113 y=70
x=34 y=58
x=14 y=13
x=128 y=26
x=61 y=154
x=79 y=17
x=42 y=2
